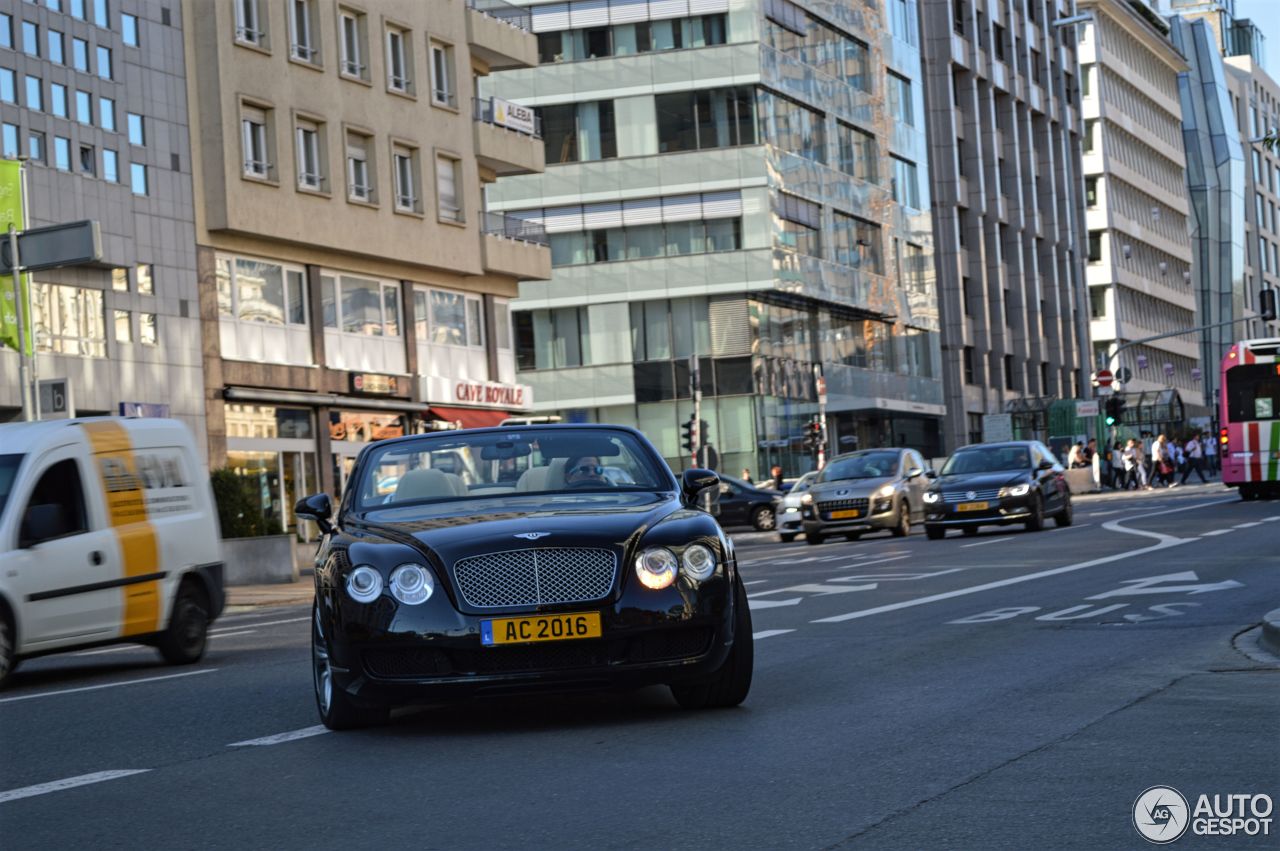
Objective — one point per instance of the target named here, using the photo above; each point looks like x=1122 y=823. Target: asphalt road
x=1009 y=690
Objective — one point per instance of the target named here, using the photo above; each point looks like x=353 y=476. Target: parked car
x=744 y=504
x=866 y=491
x=787 y=508
x=998 y=484
x=565 y=580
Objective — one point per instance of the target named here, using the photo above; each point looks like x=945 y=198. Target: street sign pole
x=695 y=388
x=821 y=383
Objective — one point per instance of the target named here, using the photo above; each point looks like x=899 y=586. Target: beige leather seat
x=549 y=477
x=425 y=484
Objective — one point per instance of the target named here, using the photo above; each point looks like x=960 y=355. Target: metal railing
x=505 y=12
x=482 y=110
x=514 y=228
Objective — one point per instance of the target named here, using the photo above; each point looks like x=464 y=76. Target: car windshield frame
x=385 y=469
x=835 y=463
x=10 y=463
x=993 y=466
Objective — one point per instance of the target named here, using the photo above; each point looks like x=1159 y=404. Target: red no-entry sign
x=1103 y=378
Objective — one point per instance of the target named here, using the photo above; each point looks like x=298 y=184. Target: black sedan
x=998 y=484
x=742 y=504
x=542 y=572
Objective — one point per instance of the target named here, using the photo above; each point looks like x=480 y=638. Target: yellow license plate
x=845 y=514
x=540 y=628
x=972 y=506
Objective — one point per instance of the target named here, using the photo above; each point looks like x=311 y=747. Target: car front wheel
x=763 y=519
x=8 y=648
x=337 y=710
x=1063 y=517
x=1036 y=521
x=729 y=685
x=787 y=537
x=903 y=529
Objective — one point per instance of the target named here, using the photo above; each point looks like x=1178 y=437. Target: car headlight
x=932 y=496
x=698 y=562
x=885 y=491
x=412 y=584
x=806 y=499
x=656 y=568
x=1016 y=490
x=364 y=584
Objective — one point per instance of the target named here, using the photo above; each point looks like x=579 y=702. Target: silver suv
x=866 y=491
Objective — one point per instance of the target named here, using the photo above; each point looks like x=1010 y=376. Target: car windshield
x=804 y=482
x=987 y=459
x=476 y=465
x=8 y=471
x=872 y=465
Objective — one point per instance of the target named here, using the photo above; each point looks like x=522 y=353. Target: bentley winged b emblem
x=531 y=536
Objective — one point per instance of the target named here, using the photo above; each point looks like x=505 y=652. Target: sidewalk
x=247 y=597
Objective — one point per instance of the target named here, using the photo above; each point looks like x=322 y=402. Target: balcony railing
x=514 y=228
x=505 y=12
x=482 y=109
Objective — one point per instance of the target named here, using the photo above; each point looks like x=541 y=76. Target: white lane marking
x=1247 y=525
x=1104 y=513
x=823 y=590
x=114 y=649
x=279 y=738
x=106 y=685
x=873 y=561
x=229 y=634
x=1216 y=532
x=755 y=582
x=68 y=783
x=992 y=541
x=256 y=625
x=896 y=577
x=771 y=604
x=769 y=633
x=1162 y=542
x=1268 y=519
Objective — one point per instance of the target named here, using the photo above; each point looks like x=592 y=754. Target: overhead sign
x=439 y=390
x=513 y=116
x=55 y=399
x=997 y=427
x=1103 y=378
x=374 y=385
x=1124 y=375
x=1084 y=410
x=68 y=244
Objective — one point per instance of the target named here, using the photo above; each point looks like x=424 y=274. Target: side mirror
x=915 y=472
x=931 y=474
x=694 y=482
x=317 y=507
x=42 y=522
x=1045 y=465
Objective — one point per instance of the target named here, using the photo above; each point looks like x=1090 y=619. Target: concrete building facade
x=92 y=96
x=740 y=182
x=353 y=285
x=1138 y=264
x=1004 y=127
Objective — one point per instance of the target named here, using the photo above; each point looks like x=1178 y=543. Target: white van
x=108 y=533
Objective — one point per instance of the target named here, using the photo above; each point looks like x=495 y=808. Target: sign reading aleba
x=373 y=385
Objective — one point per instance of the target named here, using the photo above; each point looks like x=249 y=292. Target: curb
x=1270 y=638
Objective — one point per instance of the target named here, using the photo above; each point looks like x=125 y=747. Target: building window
x=100 y=14
x=35 y=146
x=143 y=275
x=405 y=170
x=792 y=127
x=124 y=327
x=639 y=242
x=1035 y=67
x=997 y=41
x=84 y=108
x=77 y=10
x=35 y=96
x=901 y=106
x=56 y=54
x=399 y=60
x=858 y=152
x=1097 y=302
x=442 y=89
x=1091 y=191
x=138 y=178
x=137 y=129
x=710 y=118
x=310 y=159
x=120 y=280
x=58 y=100
x=360 y=306
x=10 y=147
x=857 y=243
x=597 y=42
x=104 y=63
x=129 y=30
x=553 y=339
x=359 y=168
x=1008 y=372
x=80 y=54
x=797 y=224
x=903 y=21
x=30 y=39
x=88 y=159
x=69 y=320
x=448 y=190
x=968 y=366
x=353 y=35
x=8 y=86
x=251 y=27
x=579 y=132
x=107 y=114
x=302 y=29
x=967 y=295
x=6 y=31
x=906 y=183
x=1095 y=246
x=455 y=319
x=255 y=139
x=61 y=153
x=148 y=334
x=110 y=166
x=256 y=291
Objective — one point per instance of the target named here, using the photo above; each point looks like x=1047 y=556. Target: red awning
x=470 y=417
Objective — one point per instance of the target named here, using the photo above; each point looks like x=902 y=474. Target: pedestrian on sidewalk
x=1075 y=457
x=1134 y=468
x=1117 y=466
x=1195 y=459
x=1210 y=448
x=1162 y=462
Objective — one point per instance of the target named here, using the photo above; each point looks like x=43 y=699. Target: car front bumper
x=790 y=520
x=1011 y=509
x=882 y=515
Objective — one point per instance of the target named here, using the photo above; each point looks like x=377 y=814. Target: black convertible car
x=557 y=558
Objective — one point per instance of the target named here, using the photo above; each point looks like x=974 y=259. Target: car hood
x=856 y=488
x=456 y=529
x=975 y=481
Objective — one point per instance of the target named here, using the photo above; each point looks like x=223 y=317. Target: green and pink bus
x=1249 y=414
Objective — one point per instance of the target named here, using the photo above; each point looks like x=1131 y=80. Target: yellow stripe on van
x=127 y=510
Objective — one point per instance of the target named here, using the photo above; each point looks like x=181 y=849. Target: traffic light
x=813 y=435
x=704 y=432
x=1114 y=409
x=1267 y=304
x=690 y=434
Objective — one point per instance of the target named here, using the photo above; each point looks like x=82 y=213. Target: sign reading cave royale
x=476 y=394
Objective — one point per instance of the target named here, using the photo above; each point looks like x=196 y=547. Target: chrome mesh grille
x=535 y=577
x=963 y=496
x=841 y=504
